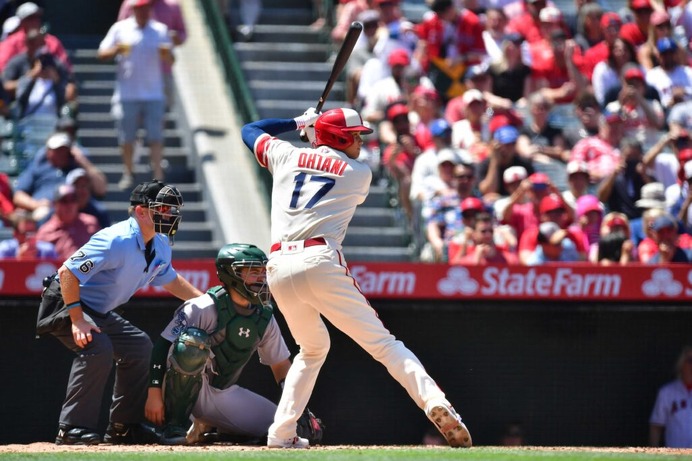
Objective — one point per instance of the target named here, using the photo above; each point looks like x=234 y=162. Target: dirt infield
x=47 y=447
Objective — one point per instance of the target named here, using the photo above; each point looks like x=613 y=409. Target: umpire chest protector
x=236 y=337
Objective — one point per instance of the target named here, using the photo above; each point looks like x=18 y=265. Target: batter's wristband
x=73 y=305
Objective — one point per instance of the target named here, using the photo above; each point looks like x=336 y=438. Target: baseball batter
x=205 y=348
x=315 y=193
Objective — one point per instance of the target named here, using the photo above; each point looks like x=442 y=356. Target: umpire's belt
x=297 y=246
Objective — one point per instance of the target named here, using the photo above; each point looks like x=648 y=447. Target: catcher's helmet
x=165 y=201
x=230 y=261
x=334 y=127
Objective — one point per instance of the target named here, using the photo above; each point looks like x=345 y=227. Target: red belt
x=306 y=243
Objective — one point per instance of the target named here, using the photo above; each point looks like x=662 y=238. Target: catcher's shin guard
x=184 y=376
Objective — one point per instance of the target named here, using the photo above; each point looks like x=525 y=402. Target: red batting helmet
x=334 y=127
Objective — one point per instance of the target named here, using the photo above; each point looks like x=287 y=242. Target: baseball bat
x=339 y=63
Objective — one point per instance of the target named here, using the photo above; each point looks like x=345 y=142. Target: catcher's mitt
x=310 y=427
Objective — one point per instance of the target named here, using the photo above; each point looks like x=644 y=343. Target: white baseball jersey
x=315 y=191
x=673 y=410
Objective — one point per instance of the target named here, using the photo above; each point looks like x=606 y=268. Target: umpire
x=78 y=308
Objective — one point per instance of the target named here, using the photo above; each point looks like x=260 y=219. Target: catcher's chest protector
x=236 y=337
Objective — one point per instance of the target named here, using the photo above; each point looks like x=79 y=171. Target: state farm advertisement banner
x=436 y=281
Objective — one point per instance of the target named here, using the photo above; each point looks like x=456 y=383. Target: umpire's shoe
x=448 y=422
x=71 y=435
x=130 y=434
x=173 y=435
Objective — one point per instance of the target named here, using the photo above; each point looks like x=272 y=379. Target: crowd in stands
x=516 y=133
x=50 y=192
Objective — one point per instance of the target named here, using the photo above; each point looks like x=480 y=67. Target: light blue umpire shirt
x=111 y=266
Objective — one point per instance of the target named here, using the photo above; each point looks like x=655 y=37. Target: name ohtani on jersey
x=316 y=161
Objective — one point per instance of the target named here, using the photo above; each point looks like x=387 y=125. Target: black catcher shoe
x=131 y=434
x=71 y=435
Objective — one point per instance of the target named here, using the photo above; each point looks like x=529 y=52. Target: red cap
x=634 y=72
x=503 y=119
x=685 y=155
x=398 y=57
x=551 y=202
x=137 y=3
x=610 y=19
x=617 y=221
x=426 y=92
x=539 y=178
x=640 y=4
x=472 y=203
x=397 y=109
x=659 y=17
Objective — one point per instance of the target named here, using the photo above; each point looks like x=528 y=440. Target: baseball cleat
x=295 y=442
x=173 y=435
x=448 y=422
x=70 y=435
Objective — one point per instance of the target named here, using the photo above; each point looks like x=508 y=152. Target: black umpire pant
x=119 y=341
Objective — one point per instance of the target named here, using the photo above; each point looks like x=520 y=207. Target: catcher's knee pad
x=184 y=376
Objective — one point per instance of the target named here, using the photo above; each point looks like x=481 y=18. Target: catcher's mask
x=164 y=201
x=251 y=285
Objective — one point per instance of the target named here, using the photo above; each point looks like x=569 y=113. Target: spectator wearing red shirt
x=554 y=71
x=521 y=211
x=484 y=250
x=462 y=240
x=600 y=152
x=528 y=23
x=610 y=25
x=551 y=208
x=399 y=156
x=31 y=18
x=425 y=108
x=67 y=229
x=636 y=32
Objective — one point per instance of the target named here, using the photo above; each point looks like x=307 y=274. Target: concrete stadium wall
x=571 y=374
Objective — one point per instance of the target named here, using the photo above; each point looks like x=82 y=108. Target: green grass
x=354 y=454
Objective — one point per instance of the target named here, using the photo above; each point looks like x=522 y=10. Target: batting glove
x=307 y=119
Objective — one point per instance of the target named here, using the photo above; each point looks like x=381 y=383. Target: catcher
x=200 y=355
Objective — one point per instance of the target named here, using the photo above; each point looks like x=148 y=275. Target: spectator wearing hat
x=578 y=182
x=444 y=214
x=521 y=211
x=540 y=140
x=48 y=169
x=169 y=13
x=615 y=245
x=400 y=154
x=589 y=214
x=450 y=39
x=23 y=244
x=483 y=249
x=476 y=77
x=643 y=118
x=31 y=19
x=67 y=229
x=659 y=27
x=425 y=105
x=86 y=203
x=607 y=73
x=503 y=154
x=512 y=179
x=528 y=23
x=553 y=245
x=471 y=132
x=551 y=208
x=384 y=91
x=610 y=24
x=636 y=32
x=462 y=239
x=672 y=79
x=554 y=70
x=139 y=45
x=620 y=190
x=665 y=234
x=680 y=116
x=600 y=152
x=510 y=75
x=425 y=176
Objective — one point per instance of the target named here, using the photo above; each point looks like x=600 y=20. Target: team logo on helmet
x=334 y=127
